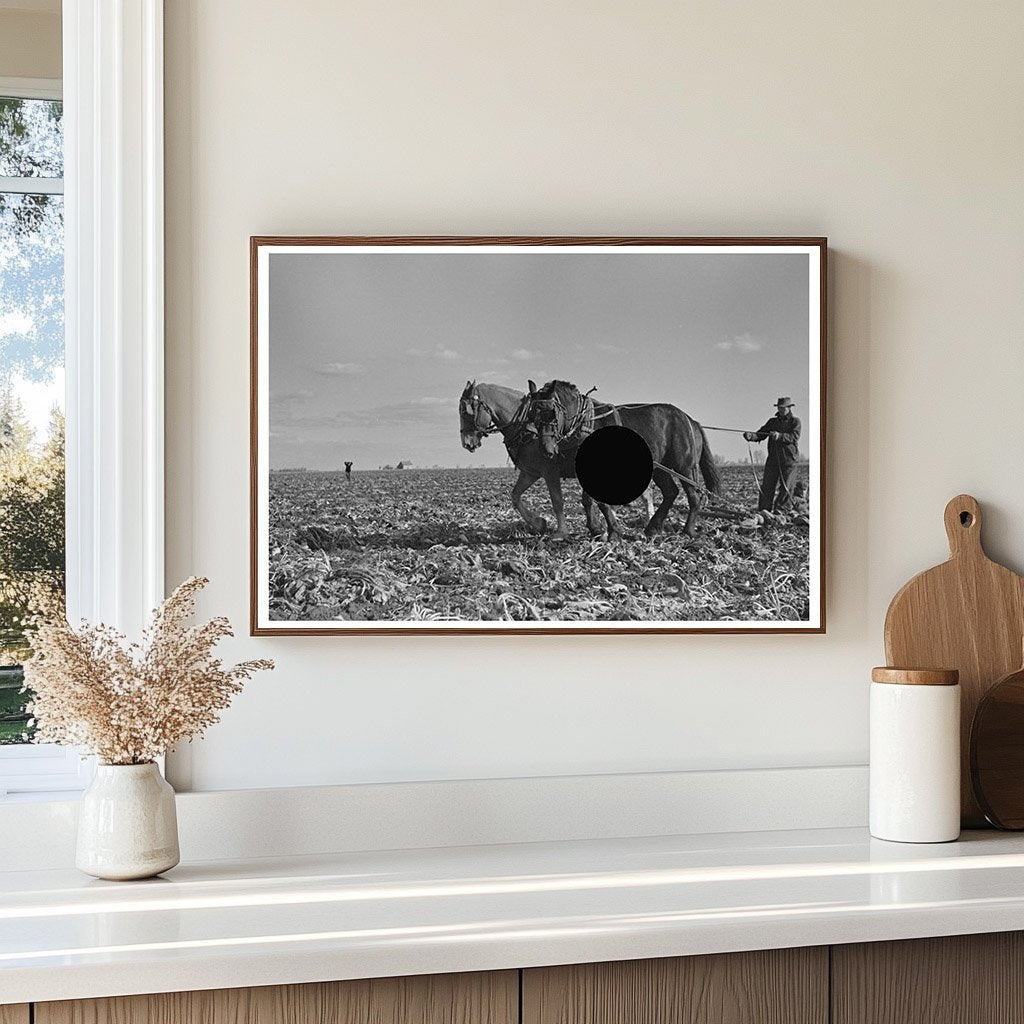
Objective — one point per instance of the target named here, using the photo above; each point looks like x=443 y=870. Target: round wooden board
x=997 y=752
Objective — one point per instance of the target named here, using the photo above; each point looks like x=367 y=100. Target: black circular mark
x=966 y=519
x=614 y=465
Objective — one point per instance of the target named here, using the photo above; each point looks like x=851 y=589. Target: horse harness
x=570 y=414
x=575 y=416
x=519 y=429
x=580 y=423
x=514 y=432
x=572 y=427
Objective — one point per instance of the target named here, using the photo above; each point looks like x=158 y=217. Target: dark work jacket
x=788 y=445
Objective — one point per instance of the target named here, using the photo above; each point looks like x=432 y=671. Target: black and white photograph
x=537 y=435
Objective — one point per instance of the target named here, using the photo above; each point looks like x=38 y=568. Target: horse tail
x=709 y=470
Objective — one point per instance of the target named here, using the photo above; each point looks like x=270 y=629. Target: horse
x=490 y=408
x=563 y=417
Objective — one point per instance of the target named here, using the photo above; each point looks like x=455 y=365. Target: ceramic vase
x=127 y=825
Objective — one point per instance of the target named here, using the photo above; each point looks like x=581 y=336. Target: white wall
x=895 y=129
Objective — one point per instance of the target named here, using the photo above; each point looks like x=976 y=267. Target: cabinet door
x=961 y=979
x=14 y=1014
x=490 y=998
x=777 y=986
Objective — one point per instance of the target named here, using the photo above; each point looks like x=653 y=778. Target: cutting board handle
x=963 y=526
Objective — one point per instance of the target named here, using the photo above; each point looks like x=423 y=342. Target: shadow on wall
x=854 y=286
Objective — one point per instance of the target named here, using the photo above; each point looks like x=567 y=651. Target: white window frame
x=114 y=326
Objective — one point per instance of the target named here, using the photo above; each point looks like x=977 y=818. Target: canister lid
x=916 y=676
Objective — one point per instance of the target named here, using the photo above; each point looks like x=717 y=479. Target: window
x=112 y=212
x=32 y=530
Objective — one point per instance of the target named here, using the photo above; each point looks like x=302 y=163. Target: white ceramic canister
x=915 y=755
x=127 y=825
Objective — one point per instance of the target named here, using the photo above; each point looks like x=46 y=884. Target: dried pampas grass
x=129 y=703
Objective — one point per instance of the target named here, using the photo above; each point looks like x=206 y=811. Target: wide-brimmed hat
x=784 y=403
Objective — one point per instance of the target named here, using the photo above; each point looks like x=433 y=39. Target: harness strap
x=514 y=432
x=571 y=431
x=613 y=411
x=580 y=426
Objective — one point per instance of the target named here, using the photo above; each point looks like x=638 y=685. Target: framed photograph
x=537 y=435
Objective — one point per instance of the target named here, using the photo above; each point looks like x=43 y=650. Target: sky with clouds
x=370 y=352
x=32 y=266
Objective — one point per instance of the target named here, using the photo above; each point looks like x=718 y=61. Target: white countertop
x=352 y=915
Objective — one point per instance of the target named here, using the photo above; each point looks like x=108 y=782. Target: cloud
x=604 y=346
x=341 y=370
x=289 y=406
x=525 y=354
x=290 y=396
x=745 y=342
x=446 y=355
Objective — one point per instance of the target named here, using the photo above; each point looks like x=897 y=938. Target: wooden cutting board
x=967 y=614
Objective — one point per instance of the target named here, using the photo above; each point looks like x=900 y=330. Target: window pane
x=31 y=138
x=31 y=431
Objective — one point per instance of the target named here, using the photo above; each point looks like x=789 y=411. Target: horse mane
x=511 y=392
x=560 y=389
x=475 y=385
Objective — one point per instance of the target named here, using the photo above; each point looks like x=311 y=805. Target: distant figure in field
x=348 y=471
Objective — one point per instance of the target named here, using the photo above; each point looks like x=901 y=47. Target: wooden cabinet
x=777 y=986
x=962 y=979
x=491 y=998
x=967 y=979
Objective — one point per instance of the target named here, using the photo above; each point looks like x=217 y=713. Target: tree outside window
x=31 y=386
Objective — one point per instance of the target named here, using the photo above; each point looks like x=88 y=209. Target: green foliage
x=31 y=540
x=13 y=719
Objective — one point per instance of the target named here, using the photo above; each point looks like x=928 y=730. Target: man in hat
x=783 y=434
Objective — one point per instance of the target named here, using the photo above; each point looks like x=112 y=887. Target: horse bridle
x=545 y=414
x=472 y=407
x=561 y=425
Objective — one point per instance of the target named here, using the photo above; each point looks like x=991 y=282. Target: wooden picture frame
x=347 y=345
